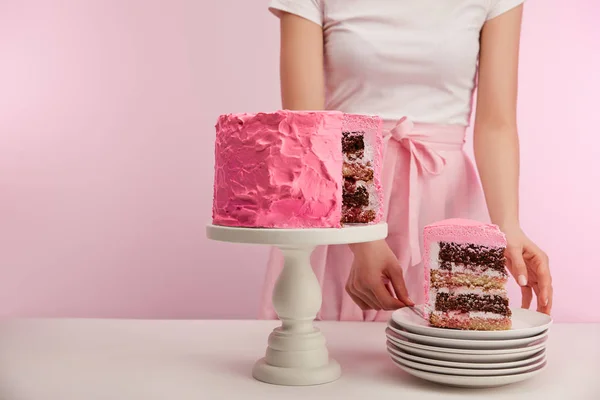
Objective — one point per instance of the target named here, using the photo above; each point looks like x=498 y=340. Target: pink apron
x=426 y=177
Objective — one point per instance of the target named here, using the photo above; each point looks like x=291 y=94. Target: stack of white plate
x=469 y=358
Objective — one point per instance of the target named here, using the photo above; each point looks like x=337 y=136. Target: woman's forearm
x=497 y=158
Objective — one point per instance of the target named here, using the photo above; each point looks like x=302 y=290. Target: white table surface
x=180 y=360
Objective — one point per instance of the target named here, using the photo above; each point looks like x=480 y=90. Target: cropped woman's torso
x=394 y=58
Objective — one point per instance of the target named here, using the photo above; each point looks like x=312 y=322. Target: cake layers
x=288 y=169
x=362 y=151
x=466 y=276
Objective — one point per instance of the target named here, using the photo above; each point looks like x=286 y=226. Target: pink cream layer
x=458 y=231
x=278 y=170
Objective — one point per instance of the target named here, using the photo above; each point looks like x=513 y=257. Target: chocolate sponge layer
x=472 y=302
x=357 y=215
x=355 y=196
x=471 y=254
x=353 y=142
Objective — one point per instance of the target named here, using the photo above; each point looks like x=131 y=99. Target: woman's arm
x=303 y=88
x=496 y=147
x=496 y=140
x=301 y=64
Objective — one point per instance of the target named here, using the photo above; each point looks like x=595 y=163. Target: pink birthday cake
x=465 y=276
x=297 y=169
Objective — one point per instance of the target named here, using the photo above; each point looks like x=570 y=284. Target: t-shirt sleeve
x=311 y=10
x=498 y=7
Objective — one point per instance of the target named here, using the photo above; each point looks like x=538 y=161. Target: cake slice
x=465 y=275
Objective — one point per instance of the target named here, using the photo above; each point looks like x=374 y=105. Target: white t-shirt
x=394 y=58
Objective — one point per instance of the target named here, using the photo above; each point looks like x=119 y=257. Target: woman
x=415 y=64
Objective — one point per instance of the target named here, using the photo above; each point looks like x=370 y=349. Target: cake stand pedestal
x=296 y=352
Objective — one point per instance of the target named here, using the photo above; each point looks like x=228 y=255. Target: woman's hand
x=530 y=267
x=375 y=266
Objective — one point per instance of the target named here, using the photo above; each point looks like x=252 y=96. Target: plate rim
x=472 y=351
x=455 y=343
x=468 y=381
x=466 y=357
x=468 y=371
x=456 y=364
x=471 y=334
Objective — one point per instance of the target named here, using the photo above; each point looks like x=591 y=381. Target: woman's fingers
x=383 y=296
x=372 y=282
x=362 y=290
x=353 y=293
x=542 y=306
x=526 y=296
x=544 y=279
x=369 y=298
x=397 y=280
x=516 y=264
x=365 y=297
x=548 y=308
x=363 y=306
x=357 y=296
x=536 y=290
x=539 y=265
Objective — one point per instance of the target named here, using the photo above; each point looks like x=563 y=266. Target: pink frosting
x=278 y=170
x=458 y=231
x=464 y=231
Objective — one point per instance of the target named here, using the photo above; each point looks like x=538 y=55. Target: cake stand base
x=296 y=354
x=301 y=376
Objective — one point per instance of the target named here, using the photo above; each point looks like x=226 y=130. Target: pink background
x=107 y=111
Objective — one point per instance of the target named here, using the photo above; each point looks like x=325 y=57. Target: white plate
x=399 y=338
x=525 y=323
x=472 y=381
x=466 y=371
x=466 y=343
x=475 y=356
x=493 y=365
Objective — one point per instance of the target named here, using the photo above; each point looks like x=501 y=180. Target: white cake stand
x=296 y=352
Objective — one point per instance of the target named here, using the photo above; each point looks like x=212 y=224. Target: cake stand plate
x=296 y=353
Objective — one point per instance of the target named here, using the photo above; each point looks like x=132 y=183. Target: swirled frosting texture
x=278 y=170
